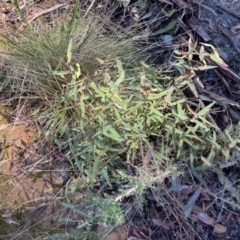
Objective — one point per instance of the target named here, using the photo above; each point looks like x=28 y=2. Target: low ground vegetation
x=126 y=127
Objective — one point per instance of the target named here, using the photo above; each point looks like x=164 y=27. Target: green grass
x=37 y=56
x=94 y=96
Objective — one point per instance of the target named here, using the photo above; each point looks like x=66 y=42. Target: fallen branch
x=215 y=96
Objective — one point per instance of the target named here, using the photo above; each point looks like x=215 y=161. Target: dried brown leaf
x=160 y=223
x=215 y=96
x=181 y=4
x=205 y=218
x=222 y=99
x=193 y=217
x=222 y=55
x=193 y=22
x=235 y=29
x=180 y=188
x=148 y=157
x=204 y=197
x=186 y=192
x=218 y=228
x=235 y=116
x=135 y=233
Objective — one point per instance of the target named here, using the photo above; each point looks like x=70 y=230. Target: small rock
x=60 y=175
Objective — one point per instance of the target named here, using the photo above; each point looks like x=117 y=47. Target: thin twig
x=215 y=96
x=47 y=11
x=235 y=14
x=207 y=8
x=223 y=80
x=231 y=39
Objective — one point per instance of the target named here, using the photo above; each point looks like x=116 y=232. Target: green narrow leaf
x=188 y=208
x=102 y=62
x=145 y=65
x=199 y=124
x=106 y=177
x=67 y=189
x=82 y=106
x=110 y=132
x=181 y=113
x=180 y=146
x=120 y=79
x=205 y=110
x=168 y=14
x=119 y=66
x=148 y=15
x=193 y=89
x=94 y=169
x=89 y=8
x=74 y=15
x=75 y=94
x=97 y=90
x=35 y=112
x=19 y=11
x=75 y=209
x=169 y=27
x=193 y=171
x=69 y=52
x=215 y=56
x=206 y=162
x=205 y=67
x=60 y=73
x=121 y=73
x=78 y=72
x=141 y=4
x=174 y=137
x=189 y=143
x=117 y=114
x=153 y=96
x=207 y=122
